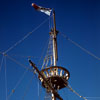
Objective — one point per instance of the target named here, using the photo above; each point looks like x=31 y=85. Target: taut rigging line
x=15 y=61
x=27 y=35
x=83 y=49
x=70 y=88
x=5 y=78
x=1 y=62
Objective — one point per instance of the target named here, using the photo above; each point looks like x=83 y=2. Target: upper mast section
x=53 y=78
x=54 y=35
x=53 y=32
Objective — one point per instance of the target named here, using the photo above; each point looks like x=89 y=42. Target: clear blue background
x=78 y=19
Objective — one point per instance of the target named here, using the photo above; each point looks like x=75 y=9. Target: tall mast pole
x=55 y=55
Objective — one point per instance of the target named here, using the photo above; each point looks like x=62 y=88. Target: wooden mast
x=54 y=33
x=55 y=55
x=50 y=78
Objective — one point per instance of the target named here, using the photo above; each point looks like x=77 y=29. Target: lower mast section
x=49 y=88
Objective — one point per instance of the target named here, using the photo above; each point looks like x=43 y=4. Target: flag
x=47 y=11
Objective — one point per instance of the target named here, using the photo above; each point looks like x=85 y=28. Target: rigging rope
x=40 y=90
x=27 y=35
x=93 y=98
x=23 y=56
x=6 y=79
x=18 y=83
x=70 y=88
x=18 y=63
x=13 y=90
x=76 y=44
x=27 y=88
x=42 y=53
x=49 y=54
x=1 y=63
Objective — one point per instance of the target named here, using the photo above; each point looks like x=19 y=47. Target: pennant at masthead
x=47 y=11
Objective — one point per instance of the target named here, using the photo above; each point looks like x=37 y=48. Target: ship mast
x=54 y=35
x=53 y=78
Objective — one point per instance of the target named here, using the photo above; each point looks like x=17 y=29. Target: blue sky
x=77 y=19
